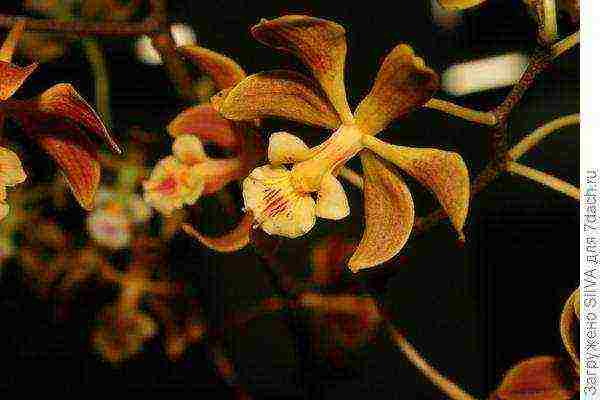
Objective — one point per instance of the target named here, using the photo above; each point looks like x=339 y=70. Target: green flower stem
x=95 y=56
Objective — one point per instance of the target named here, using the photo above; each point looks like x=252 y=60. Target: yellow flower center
x=344 y=144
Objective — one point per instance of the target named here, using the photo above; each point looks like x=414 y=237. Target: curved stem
x=95 y=56
x=540 y=133
x=565 y=44
x=444 y=384
x=480 y=117
x=83 y=28
x=543 y=178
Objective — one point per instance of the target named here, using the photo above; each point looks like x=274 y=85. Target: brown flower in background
x=59 y=120
x=547 y=377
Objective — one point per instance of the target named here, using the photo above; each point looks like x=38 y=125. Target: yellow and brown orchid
x=59 y=121
x=281 y=194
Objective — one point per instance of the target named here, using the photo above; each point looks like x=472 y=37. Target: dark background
x=473 y=311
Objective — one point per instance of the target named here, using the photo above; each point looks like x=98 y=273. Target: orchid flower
x=59 y=121
x=189 y=173
x=300 y=183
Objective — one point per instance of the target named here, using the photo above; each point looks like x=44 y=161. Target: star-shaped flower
x=282 y=195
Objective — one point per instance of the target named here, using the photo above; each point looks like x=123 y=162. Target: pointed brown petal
x=442 y=172
x=538 y=378
x=402 y=84
x=569 y=326
x=205 y=123
x=221 y=69
x=74 y=153
x=459 y=4
x=12 y=77
x=12 y=40
x=235 y=240
x=389 y=214
x=63 y=101
x=321 y=46
x=281 y=94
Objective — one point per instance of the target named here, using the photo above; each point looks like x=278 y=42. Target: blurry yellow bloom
x=111 y=223
x=182 y=178
x=11 y=174
x=172 y=185
x=122 y=334
x=11 y=170
x=109 y=228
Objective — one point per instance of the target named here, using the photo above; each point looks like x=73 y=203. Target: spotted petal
x=207 y=124
x=12 y=77
x=402 y=84
x=320 y=45
x=222 y=70
x=277 y=207
x=442 y=172
x=281 y=94
x=285 y=148
x=389 y=214
x=332 y=202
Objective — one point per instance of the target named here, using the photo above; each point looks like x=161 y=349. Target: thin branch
x=83 y=28
x=154 y=23
x=543 y=178
x=444 y=384
x=176 y=69
x=95 y=56
x=565 y=44
x=499 y=138
x=480 y=117
x=540 y=133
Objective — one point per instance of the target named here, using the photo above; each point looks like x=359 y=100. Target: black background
x=473 y=311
